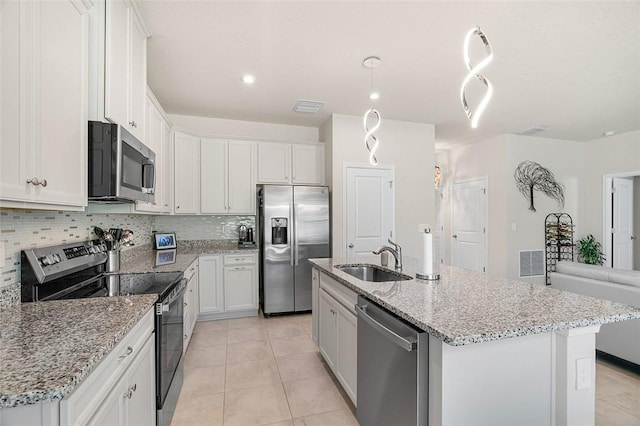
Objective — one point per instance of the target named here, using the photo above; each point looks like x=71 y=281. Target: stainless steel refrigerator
x=294 y=226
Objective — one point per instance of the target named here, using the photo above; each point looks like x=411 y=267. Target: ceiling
x=570 y=65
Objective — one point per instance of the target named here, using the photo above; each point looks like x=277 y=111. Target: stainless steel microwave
x=121 y=168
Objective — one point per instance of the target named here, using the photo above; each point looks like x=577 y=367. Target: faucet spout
x=396 y=252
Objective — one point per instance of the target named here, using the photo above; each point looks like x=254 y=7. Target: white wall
x=406 y=145
x=219 y=127
x=565 y=159
x=326 y=135
x=610 y=155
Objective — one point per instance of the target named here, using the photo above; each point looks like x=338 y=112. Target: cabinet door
x=137 y=82
x=210 y=284
x=242 y=180
x=347 y=350
x=307 y=164
x=167 y=162
x=14 y=153
x=191 y=309
x=186 y=174
x=154 y=139
x=140 y=394
x=213 y=174
x=112 y=411
x=116 y=74
x=274 y=162
x=240 y=288
x=315 y=287
x=327 y=327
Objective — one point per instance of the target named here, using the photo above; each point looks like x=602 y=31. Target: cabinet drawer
x=239 y=259
x=339 y=292
x=78 y=407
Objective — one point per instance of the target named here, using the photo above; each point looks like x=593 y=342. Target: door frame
x=607 y=214
x=484 y=179
x=345 y=167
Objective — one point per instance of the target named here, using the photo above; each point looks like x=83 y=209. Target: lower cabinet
x=191 y=303
x=337 y=330
x=228 y=286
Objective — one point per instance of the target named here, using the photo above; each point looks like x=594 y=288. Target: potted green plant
x=590 y=251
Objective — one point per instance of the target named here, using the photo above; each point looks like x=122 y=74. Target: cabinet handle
x=35 y=181
x=241 y=269
x=185 y=337
x=186 y=304
x=177 y=207
x=133 y=124
x=129 y=352
x=130 y=391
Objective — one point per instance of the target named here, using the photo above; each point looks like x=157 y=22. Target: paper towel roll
x=427 y=252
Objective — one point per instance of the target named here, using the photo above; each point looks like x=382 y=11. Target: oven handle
x=71 y=289
x=164 y=305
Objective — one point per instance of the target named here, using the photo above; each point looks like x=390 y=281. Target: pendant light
x=474 y=71
x=371 y=142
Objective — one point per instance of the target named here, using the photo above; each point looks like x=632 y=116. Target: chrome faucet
x=396 y=251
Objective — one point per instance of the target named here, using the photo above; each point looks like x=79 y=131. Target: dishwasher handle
x=405 y=344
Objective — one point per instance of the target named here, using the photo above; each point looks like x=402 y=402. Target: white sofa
x=621 y=339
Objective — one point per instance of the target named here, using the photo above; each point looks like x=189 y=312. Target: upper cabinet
x=43 y=107
x=186 y=195
x=284 y=163
x=118 y=65
x=227 y=170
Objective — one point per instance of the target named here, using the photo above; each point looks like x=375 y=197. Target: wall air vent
x=531 y=263
x=308 y=107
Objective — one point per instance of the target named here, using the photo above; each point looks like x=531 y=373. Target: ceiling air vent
x=531 y=263
x=309 y=107
x=534 y=130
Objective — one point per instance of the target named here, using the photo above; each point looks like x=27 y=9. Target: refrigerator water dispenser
x=279 y=230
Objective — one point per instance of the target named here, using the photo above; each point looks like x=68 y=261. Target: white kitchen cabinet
x=307 y=162
x=43 y=109
x=125 y=41
x=338 y=332
x=274 y=162
x=315 y=289
x=210 y=283
x=284 y=163
x=186 y=193
x=191 y=304
x=158 y=139
x=227 y=176
x=240 y=288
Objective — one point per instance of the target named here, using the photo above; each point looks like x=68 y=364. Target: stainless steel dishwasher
x=392 y=368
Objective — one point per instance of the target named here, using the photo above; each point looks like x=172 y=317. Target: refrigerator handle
x=292 y=240
x=295 y=233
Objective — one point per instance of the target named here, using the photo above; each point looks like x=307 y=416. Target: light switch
x=583 y=373
x=1 y=254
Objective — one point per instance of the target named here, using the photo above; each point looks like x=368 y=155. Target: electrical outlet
x=1 y=254
x=583 y=373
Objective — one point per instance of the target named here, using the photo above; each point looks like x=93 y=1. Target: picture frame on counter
x=162 y=241
x=166 y=257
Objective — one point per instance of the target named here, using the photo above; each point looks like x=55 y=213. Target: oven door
x=169 y=342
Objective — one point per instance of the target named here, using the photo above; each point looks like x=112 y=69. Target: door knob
x=351 y=245
x=454 y=236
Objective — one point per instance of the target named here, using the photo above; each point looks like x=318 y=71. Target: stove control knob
x=92 y=249
x=43 y=261
x=57 y=258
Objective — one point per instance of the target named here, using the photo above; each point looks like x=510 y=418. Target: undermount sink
x=372 y=273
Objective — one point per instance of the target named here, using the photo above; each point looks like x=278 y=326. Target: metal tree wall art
x=531 y=176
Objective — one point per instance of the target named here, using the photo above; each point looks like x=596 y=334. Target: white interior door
x=622 y=226
x=369 y=208
x=468 y=203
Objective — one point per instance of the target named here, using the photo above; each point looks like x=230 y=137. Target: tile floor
x=267 y=371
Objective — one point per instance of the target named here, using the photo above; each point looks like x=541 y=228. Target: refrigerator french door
x=294 y=227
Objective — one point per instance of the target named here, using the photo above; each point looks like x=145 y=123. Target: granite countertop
x=48 y=348
x=466 y=307
x=143 y=259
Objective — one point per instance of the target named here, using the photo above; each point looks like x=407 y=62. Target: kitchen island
x=500 y=351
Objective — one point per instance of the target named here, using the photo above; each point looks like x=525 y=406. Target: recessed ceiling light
x=534 y=130
x=248 y=79
x=309 y=107
x=374 y=96
x=609 y=133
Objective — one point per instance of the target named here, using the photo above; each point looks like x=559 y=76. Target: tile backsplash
x=204 y=227
x=20 y=229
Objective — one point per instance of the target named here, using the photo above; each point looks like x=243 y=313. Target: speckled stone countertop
x=466 y=307
x=143 y=259
x=48 y=348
